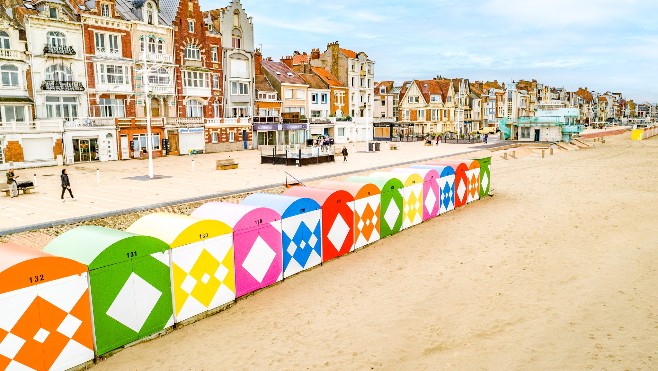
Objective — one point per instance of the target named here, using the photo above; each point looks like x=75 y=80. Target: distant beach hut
x=203 y=276
x=446 y=185
x=45 y=316
x=461 y=179
x=129 y=279
x=431 y=190
x=391 y=204
x=301 y=235
x=258 y=258
x=337 y=218
x=485 y=175
x=367 y=203
x=412 y=193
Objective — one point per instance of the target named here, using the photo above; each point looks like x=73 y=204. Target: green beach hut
x=485 y=175
x=129 y=280
x=392 y=202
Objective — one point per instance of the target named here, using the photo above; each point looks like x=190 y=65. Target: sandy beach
x=557 y=271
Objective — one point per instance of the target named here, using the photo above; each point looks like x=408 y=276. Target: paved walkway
x=124 y=185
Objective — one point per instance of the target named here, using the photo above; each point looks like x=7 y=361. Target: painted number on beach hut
x=446 y=185
x=201 y=254
x=45 y=316
x=258 y=257
x=337 y=219
x=391 y=202
x=129 y=278
x=301 y=235
x=367 y=203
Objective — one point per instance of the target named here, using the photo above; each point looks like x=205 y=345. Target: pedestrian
x=437 y=139
x=66 y=184
x=11 y=183
x=486 y=137
x=344 y=152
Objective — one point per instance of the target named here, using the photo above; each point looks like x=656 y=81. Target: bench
x=393 y=146
x=226 y=164
x=25 y=190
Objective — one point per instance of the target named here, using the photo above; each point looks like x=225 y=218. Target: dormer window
x=105 y=10
x=150 y=15
x=4 y=40
x=190 y=26
x=210 y=27
x=52 y=12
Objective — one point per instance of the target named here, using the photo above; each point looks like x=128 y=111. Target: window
x=215 y=81
x=56 y=38
x=112 y=43
x=314 y=98
x=239 y=112
x=161 y=45
x=239 y=88
x=14 y=113
x=287 y=93
x=213 y=54
x=382 y=90
x=236 y=39
x=141 y=44
x=324 y=98
x=339 y=98
x=150 y=13
x=4 y=40
x=194 y=108
x=112 y=107
x=435 y=115
x=58 y=72
x=159 y=76
x=236 y=18
x=151 y=44
x=525 y=133
x=100 y=42
x=52 y=12
x=214 y=137
x=300 y=94
x=421 y=115
x=231 y=136
x=435 y=99
x=195 y=79
x=405 y=114
x=210 y=27
x=190 y=26
x=9 y=75
x=192 y=52
x=341 y=132
x=105 y=10
x=383 y=102
x=449 y=99
x=61 y=107
x=141 y=138
x=316 y=113
x=110 y=74
x=215 y=109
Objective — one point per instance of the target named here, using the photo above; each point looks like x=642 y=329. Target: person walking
x=437 y=139
x=66 y=184
x=344 y=152
x=486 y=137
x=11 y=182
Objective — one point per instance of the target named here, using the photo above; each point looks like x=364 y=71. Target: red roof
x=327 y=77
x=282 y=73
x=348 y=53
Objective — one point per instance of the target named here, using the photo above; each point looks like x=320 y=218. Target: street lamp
x=145 y=72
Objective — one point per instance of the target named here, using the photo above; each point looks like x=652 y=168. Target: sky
x=604 y=45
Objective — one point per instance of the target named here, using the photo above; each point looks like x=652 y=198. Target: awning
x=16 y=99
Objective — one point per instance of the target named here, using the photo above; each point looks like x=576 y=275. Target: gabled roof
x=477 y=88
x=168 y=10
x=384 y=84
x=327 y=77
x=434 y=87
x=314 y=81
x=348 y=53
x=584 y=94
x=403 y=90
x=492 y=85
x=263 y=84
x=298 y=59
x=282 y=73
x=129 y=10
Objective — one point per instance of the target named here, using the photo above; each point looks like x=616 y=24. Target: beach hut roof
x=357 y=190
x=406 y=178
x=318 y=194
x=178 y=230
x=22 y=266
x=286 y=206
x=97 y=247
x=443 y=170
x=237 y=216
x=384 y=183
x=424 y=173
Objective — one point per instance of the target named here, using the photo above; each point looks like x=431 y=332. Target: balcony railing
x=58 y=49
x=37 y=125
x=12 y=54
x=91 y=122
x=140 y=121
x=55 y=85
x=154 y=57
x=106 y=52
x=184 y=121
x=266 y=119
x=295 y=120
x=229 y=121
x=158 y=89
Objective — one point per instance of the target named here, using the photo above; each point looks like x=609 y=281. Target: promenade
x=122 y=186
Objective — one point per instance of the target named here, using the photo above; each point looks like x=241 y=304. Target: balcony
x=91 y=123
x=58 y=50
x=161 y=90
x=49 y=125
x=234 y=121
x=140 y=121
x=54 y=85
x=154 y=57
x=108 y=53
x=184 y=121
x=12 y=54
x=267 y=119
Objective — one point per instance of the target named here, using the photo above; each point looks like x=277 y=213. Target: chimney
x=258 y=59
x=287 y=61
x=315 y=53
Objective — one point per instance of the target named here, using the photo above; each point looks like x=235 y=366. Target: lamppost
x=145 y=72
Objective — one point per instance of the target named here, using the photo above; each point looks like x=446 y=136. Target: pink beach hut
x=256 y=242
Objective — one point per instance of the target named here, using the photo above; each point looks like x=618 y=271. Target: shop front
x=86 y=143
x=394 y=132
x=280 y=134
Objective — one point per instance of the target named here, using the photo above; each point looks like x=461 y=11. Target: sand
x=557 y=271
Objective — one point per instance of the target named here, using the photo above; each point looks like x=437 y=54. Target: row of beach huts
x=94 y=290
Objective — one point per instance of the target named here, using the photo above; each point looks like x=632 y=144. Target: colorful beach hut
x=485 y=175
x=129 y=279
x=412 y=193
x=461 y=179
x=45 y=316
x=431 y=190
x=446 y=185
x=367 y=203
x=391 y=204
x=201 y=256
x=301 y=232
x=473 y=175
x=258 y=257
x=337 y=218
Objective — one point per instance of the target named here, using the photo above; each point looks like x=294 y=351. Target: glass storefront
x=85 y=149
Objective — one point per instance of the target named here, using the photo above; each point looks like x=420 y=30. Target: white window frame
x=215 y=81
x=17 y=113
x=190 y=25
x=110 y=107
x=112 y=74
x=192 y=52
x=195 y=79
x=300 y=94
x=314 y=98
x=239 y=88
x=105 y=10
x=193 y=108
x=405 y=114
x=287 y=93
x=214 y=56
x=231 y=136
x=214 y=137
x=56 y=38
x=9 y=76
x=4 y=41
